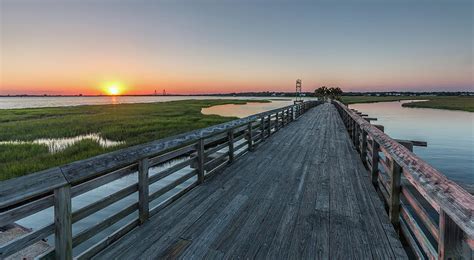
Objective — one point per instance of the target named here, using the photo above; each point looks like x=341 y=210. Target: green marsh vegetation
x=132 y=123
x=464 y=103
x=373 y=99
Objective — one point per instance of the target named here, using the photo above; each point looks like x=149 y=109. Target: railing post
x=395 y=184
x=363 y=147
x=277 y=121
x=269 y=125
x=143 y=190
x=62 y=223
x=262 y=128
x=230 y=138
x=351 y=129
x=200 y=158
x=250 y=136
x=357 y=136
x=451 y=239
x=374 y=162
x=283 y=118
x=292 y=114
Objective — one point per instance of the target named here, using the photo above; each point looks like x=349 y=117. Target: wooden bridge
x=313 y=180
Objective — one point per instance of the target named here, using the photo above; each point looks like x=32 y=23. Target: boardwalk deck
x=305 y=194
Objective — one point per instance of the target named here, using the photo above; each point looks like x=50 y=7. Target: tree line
x=325 y=92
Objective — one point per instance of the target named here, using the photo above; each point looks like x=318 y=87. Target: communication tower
x=299 y=97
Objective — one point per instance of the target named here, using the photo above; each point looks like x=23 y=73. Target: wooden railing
x=201 y=153
x=432 y=213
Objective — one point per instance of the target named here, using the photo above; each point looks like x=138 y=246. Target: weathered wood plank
x=14 y=214
x=104 y=202
x=97 y=228
x=422 y=239
x=172 y=169
x=421 y=213
x=143 y=190
x=63 y=222
x=90 y=252
x=26 y=187
x=435 y=187
x=394 y=191
x=452 y=241
x=172 y=185
x=106 y=178
x=18 y=244
x=230 y=138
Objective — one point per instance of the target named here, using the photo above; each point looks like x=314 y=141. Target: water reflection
x=59 y=144
x=244 y=110
x=32 y=102
x=450 y=135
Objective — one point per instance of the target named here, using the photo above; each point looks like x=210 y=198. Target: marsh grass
x=449 y=103
x=463 y=103
x=132 y=123
x=373 y=99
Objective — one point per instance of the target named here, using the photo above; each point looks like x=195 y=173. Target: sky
x=190 y=47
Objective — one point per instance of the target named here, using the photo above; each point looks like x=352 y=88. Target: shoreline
x=455 y=103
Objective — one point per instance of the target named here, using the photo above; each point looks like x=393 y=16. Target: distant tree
x=325 y=92
x=335 y=93
x=321 y=92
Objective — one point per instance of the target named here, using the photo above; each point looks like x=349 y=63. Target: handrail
x=40 y=182
x=208 y=150
x=454 y=205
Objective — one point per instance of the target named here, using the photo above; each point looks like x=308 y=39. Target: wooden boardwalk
x=304 y=195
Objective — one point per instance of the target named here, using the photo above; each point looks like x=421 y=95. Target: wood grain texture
x=63 y=223
x=27 y=195
x=442 y=193
x=302 y=194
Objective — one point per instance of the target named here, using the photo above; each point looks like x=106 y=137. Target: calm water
x=30 y=102
x=450 y=135
x=244 y=110
x=59 y=144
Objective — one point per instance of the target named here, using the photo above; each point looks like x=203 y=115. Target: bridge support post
x=200 y=158
x=451 y=240
x=63 y=222
x=395 y=185
x=143 y=190
x=230 y=138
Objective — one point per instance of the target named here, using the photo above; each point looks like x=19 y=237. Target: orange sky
x=77 y=48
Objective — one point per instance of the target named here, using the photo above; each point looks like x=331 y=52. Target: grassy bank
x=132 y=123
x=373 y=99
x=463 y=103
x=450 y=103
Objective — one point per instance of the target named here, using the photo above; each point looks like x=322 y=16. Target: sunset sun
x=114 y=89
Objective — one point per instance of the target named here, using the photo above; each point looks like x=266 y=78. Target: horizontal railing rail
x=188 y=158
x=434 y=214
